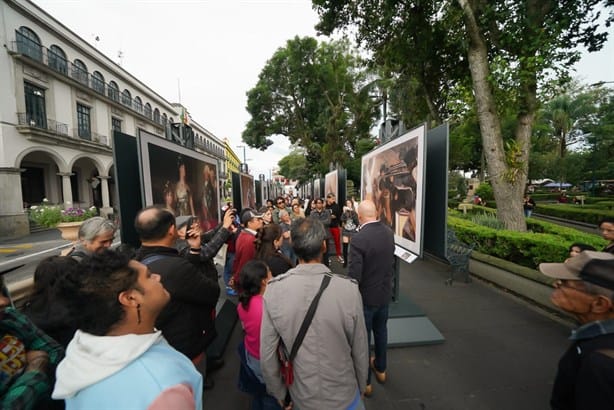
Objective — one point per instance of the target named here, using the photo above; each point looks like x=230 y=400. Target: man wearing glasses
x=585 y=289
x=281 y=204
x=606 y=227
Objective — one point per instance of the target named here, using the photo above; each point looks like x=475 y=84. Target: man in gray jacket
x=330 y=368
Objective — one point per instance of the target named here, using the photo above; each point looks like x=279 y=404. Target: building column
x=13 y=220
x=104 y=189
x=66 y=188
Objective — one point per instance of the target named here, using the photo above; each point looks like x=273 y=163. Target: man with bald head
x=372 y=265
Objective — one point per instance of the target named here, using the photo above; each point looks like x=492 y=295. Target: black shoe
x=214 y=364
x=208 y=383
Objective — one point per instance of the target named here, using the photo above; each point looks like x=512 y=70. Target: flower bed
x=50 y=215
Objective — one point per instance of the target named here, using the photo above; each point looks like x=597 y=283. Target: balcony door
x=35 y=106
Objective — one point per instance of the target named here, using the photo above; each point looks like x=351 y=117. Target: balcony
x=50 y=131
x=23 y=46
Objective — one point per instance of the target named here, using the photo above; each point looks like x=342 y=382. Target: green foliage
x=575 y=212
x=544 y=243
x=49 y=215
x=319 y=95
x=294 y=166
x=488 y=219
x=485 y=192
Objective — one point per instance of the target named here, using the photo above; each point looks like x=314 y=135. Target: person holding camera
x=187 y=321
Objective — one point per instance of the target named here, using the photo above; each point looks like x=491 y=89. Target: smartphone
x=191 y=221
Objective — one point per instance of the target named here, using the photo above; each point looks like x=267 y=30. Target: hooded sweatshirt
x=127 y=372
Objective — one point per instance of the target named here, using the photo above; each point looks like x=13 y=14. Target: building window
x=126 y=98
x=98 y=82
x=35 y=106
x=156 y=116
x=113 y=91
x=29 y=44
x=79 y=71
x=116 y=124
x=138 y=104
x=147 y=111
x=56 y=59
x=83 y=122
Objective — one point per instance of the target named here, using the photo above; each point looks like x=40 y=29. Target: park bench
x=458 y=254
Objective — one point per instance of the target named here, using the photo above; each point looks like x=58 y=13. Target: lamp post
x=244 y=163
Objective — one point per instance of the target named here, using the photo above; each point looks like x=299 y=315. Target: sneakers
x=340 y=259
x=379 y=376
x=231 y=292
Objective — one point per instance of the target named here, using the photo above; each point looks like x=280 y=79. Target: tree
x=319 y=95
x=294 y=166
x=508 y=45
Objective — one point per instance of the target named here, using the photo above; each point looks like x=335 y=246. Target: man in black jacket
x=335 y=222
x=188 y=320
x=372 y=265
x=585 y=288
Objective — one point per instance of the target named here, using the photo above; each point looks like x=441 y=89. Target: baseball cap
x=590 y=266
x=249 y=214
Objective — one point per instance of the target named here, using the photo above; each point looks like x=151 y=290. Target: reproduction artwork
x=393 y=178
x=183 y=181
x=316 y=189
x=248 y=194
x=331 y=184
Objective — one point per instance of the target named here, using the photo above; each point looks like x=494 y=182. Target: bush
x=488 y=219
x=485 y=192
x=49 y=215
x=545 y=243
x=574 y=212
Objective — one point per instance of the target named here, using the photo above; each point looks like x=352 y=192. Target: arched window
x=172 y=120
x=156 y=115
x=79 y=71
x=138 y=104
x=164 y=119
x=56 y=59
x=147 y=111
x=126 y=98
x=113 y=91
x=98 y=82
x=29 y=44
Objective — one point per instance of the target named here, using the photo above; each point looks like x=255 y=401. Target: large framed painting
x=331 y=184
x=393 y=178
x=184 y=181
x=316 y=189
x=248 y=193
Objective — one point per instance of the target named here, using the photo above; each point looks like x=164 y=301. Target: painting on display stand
x=179 y=179
x=392 y=176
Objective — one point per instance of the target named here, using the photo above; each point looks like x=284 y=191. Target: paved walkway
x=500 y=353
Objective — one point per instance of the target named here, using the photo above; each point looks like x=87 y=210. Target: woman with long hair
x=268 y=249
x=297 y=212
x=349 y=221
x=253 y=282
x=46 y=308
x=183 y=193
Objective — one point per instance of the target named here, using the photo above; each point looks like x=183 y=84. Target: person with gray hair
x=95 y=235
x=330 y=368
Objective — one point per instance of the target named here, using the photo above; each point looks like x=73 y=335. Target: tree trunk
x=507 y=191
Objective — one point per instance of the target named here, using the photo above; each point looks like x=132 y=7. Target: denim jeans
x=230 y=257
x=376 y=319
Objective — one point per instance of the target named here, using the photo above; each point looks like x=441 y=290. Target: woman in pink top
x=253 y=279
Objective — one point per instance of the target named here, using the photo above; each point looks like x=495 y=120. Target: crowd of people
x=101 y=319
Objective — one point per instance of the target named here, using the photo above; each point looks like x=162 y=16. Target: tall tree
x=509 y=45
x=319 y=95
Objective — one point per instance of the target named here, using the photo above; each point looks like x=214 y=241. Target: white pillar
x=104 y=189
x=66 y=188
x=13 y=220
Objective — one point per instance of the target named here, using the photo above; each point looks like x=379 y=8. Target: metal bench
x=458 y=254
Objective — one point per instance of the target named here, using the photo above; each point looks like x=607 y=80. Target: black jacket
x=585 y=376
x=335 y=210
x=187 y=322
x=372 y=263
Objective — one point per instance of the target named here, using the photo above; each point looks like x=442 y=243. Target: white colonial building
x=60 y=101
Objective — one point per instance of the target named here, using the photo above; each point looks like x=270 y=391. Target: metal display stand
x=407 y=323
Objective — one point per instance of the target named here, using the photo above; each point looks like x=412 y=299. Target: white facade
x=60 y=100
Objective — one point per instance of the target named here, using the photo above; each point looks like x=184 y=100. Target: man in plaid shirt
x=28 y=358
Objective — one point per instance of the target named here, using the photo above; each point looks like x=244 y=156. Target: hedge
x=546 y=243
x=574 y=212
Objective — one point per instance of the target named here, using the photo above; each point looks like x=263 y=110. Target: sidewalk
x=499 y=353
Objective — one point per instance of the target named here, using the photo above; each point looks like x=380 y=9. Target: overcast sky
x=214 y=49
